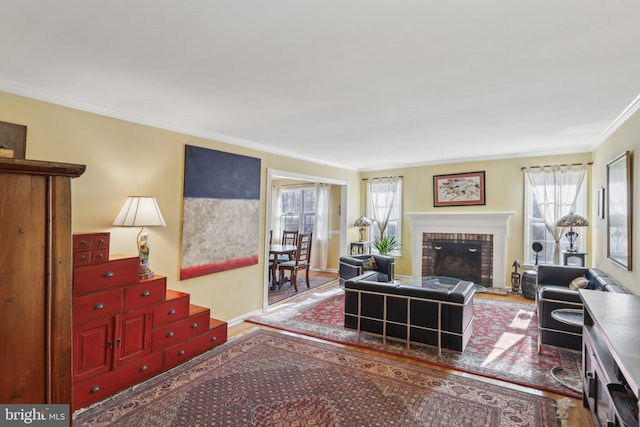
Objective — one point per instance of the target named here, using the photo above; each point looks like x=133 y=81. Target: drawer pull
x=94 y=389
x=172 y=312
x=119 y=342
x=83 y=243
x=143 y=368
x=98 y=306
x=181 y=353
x=99 y=256
x=110 y=345
x=170 y=334
x=194 y=325
x=213 y=338
x=109 y=274
x=145 y=294
x=83 y=258
x=100 y=242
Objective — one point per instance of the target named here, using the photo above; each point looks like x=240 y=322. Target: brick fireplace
x=475 y=241
x=464 y=256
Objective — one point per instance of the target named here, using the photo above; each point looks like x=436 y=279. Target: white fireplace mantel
x=495 y=223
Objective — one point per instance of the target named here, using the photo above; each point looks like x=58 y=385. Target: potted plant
x=385 y=244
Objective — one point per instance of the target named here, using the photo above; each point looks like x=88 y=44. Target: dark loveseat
x=393 y=310
x=357 y=265
x=553 y=293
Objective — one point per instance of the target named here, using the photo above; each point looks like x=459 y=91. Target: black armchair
x=357 y=265
x=554 y=293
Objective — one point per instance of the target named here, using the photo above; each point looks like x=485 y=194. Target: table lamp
x=362 y=223
x=572 y=220
x=141 y=212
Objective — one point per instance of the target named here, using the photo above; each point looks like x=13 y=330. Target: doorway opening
x=305 y=203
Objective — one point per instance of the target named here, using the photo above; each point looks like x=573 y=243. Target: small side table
x=569 y=316
x=359 y=248
x=580 y=255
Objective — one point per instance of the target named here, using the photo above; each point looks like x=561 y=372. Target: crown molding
x=621 y=119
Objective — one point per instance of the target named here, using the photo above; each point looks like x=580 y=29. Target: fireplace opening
x=460 y=260
x=459 y=255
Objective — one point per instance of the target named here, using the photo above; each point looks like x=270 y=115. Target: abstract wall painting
x=221 y=208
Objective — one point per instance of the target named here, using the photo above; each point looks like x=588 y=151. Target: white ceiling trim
x=47 y=96
x=621 y=119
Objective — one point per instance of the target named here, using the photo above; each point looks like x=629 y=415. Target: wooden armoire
x=35 y=281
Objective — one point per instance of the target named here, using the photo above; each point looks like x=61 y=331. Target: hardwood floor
x=577 y=416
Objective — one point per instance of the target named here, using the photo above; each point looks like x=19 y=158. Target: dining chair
x=272 y=262
x=289 y=238
x=301 y=262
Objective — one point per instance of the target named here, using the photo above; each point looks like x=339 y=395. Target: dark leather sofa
x=385 y=309
x=354 y=266
x=553 y=293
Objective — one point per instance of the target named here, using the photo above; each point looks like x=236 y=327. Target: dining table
x=276 y=250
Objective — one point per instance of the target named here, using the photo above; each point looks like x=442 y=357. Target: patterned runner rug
x=267 y=378
x=504 y=344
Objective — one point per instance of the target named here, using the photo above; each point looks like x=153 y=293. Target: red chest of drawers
x=126 y=330
x=90 y=248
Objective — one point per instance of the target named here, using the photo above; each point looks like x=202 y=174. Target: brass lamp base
x=143 y=253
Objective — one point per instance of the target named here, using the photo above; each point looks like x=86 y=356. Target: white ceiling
x=364 y=84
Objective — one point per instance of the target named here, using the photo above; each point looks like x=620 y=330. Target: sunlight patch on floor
x=506 y=341
x=522 y=319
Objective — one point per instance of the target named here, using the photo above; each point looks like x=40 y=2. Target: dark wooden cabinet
x=35 y=281
x=610 y=366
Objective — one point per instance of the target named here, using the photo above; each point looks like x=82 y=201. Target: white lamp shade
x=140 y=212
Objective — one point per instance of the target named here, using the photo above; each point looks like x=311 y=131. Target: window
x=535 y=229
x=384 y=195
x=298 y=209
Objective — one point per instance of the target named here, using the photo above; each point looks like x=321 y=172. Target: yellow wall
x=504 y=191
x=124 y=158
x=627 y=137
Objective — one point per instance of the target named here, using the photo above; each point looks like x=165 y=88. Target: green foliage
x=385 y=244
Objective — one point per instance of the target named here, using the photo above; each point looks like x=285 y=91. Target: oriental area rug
x=270 y=378
x=504 y=343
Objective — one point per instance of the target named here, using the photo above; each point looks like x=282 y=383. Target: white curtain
x=320 y=245
x=382 y=192
x=276 y=208
x=556 y=188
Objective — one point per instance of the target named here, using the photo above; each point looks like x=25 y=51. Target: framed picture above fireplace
x=460 y=189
